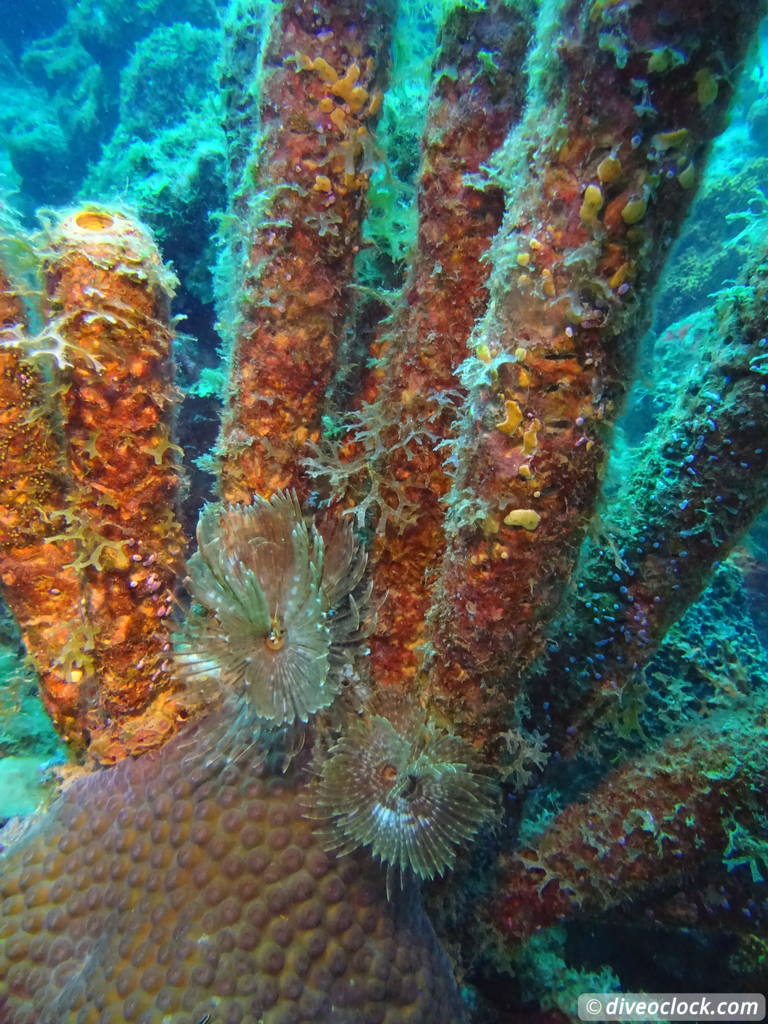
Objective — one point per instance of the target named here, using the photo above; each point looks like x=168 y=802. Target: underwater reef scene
x=383 y=472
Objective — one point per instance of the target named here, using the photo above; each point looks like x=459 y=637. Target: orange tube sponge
x=304 y=199
x=40 y=585
x=700 y=479
x=108 y=303
x=412 y=393
x=643 y=829
x=599 y=179
x=190 y=883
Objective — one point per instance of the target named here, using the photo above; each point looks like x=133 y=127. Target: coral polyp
x=404 y=787
x=282 y=620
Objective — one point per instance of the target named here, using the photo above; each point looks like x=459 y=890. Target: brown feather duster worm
x=399 y=784
x=285 y=610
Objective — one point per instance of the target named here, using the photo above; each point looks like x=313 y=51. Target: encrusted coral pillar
x=304 y=190
x=626 y=99
x=108 y=303
x=40 y=585
x=478 y=94
x=652 y=823
x=701 y=478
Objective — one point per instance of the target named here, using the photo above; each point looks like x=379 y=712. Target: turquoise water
x=119 y=102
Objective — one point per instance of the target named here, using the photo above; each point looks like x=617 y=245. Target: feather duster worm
x=399 y=784
x=287 y=610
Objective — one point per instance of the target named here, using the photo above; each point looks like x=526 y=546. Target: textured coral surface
x=189 y=882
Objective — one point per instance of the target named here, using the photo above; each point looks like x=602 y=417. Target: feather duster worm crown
x=401 y=785
x=287 y=609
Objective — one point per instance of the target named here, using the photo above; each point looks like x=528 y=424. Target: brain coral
x=189 y=883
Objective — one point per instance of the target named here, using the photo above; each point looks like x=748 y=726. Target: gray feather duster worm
x=402 y=786
x=286 y=610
